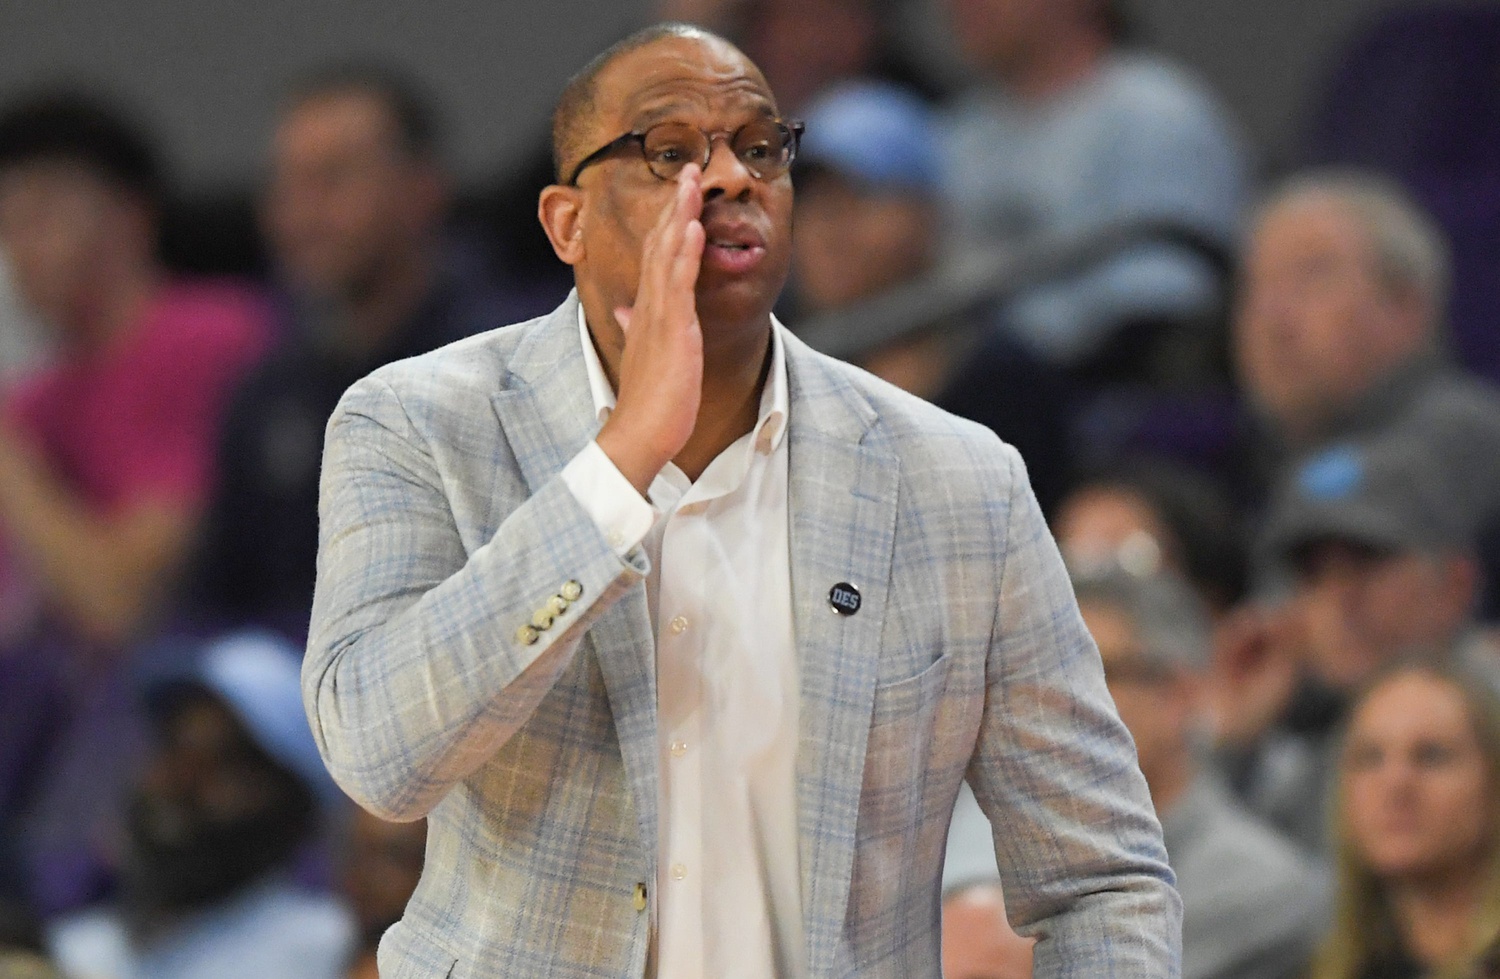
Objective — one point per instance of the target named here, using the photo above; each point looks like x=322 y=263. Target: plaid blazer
x=445 y=525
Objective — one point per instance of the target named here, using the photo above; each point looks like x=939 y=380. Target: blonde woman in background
x=1418 y=822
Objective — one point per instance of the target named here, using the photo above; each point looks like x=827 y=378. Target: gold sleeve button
x=572 y=591
x=526 y=636
x=557 y=605
x=640 y=897
x=541 y=619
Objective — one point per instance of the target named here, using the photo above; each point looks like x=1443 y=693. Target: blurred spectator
x=227 y=799
x=105 y=460
x=381 y=869
x=1068 y=131
x=868 y=220
x=1250 y=899
x=1148 y=514
x=978 y=942
x=1339 y=334
x=103 y=466
x=355 y=213
x=1417 y=845
x=1382 y=568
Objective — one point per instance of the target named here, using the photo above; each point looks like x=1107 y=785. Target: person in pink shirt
x=105 y=455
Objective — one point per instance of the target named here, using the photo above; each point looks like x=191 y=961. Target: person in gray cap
x=1251 y=899
x=1253 y=902
x=216 y=820
x=1377 y=556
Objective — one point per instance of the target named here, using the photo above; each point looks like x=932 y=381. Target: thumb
x=622 y=317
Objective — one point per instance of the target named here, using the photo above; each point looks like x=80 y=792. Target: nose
x=725 y=175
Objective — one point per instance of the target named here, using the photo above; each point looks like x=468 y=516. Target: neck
x=1054 y=68
x=734 y=376
x=366 y=318
x=1434 y=914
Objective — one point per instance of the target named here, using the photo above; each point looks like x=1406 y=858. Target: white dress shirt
x=728 y=900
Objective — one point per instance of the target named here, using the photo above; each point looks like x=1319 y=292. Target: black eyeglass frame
x=792 y=129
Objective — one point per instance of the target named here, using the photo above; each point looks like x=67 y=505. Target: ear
x=560 y=210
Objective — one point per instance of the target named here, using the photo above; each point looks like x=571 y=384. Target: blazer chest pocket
x=901 y=722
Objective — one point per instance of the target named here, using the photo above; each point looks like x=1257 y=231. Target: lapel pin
x=844 y=598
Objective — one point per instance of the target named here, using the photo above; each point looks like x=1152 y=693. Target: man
x=105 y=463
x=691 y=693
x=1379 y=557
x=1251 y=902
x=354 y=214
x=1338 y=333
x=1067 y=132
x=219 y=813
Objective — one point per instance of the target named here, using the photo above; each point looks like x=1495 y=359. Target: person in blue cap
x=869 y=220
x=225 y=803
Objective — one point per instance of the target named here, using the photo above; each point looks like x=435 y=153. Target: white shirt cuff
x=622 y=514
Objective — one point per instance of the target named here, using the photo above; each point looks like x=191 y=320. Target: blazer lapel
x=843 y=520
x=547 y=416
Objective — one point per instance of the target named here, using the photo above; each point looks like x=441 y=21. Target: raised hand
x=661 y=367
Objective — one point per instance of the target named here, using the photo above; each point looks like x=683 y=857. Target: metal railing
x=985 y=274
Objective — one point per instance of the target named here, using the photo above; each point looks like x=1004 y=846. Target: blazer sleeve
x=417 y=669
x=1078 y=843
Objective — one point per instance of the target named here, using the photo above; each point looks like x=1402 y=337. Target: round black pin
x=844 y=598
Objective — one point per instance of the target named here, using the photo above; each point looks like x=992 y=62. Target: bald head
x=572 y=119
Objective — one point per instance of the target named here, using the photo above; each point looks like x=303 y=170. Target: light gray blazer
x=445 y=525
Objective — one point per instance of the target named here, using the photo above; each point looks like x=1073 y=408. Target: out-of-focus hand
x=661 y=367
x=1257 y=662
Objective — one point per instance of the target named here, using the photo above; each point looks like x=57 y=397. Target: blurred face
x=746 y=220
x=978 y=942
x=59 y=224
x=851 y=244
x=1103 y=524
x=1315 y=325
x=346 y=202
x=1361 y=609
x=1417 y=803
x=384 y=865
x=211 y=811
x=1155 y=703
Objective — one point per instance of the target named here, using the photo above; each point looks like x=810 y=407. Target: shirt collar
x=770 y=426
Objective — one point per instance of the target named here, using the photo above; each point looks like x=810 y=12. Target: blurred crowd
x=1259 y=410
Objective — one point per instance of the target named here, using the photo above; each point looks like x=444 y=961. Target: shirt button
x=678 y=871
x=678 y=626
x=679 y=748
x=616 y=539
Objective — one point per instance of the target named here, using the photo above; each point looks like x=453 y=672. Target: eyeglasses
x=765 y=147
